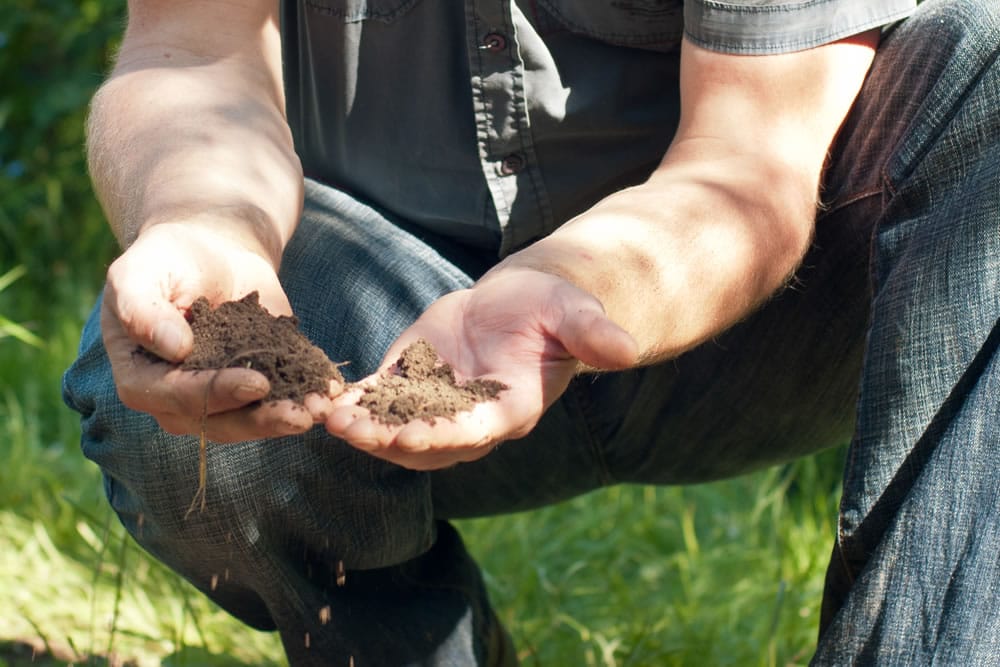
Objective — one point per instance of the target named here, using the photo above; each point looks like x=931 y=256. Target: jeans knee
x=969 y=30
x=310 y=498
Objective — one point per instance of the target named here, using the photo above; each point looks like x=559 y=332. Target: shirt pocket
x=354 y=11
x=655 y=25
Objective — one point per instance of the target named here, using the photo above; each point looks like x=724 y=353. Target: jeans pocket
x=353 y=11
x=654 y=25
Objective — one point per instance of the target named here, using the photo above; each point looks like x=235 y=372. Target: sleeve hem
x=757 y=30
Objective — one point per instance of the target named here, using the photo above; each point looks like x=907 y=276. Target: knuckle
x=416 y=446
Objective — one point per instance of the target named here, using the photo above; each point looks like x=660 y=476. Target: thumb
x=590 y=336
x=148 y=319
x=170 y=337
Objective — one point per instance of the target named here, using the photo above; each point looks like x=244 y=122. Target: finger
x=145 y=314
x=319 y=406
x=268 y=420
x=356 y=425
x=591 y=337
x=422 y=444
x=335 y=389
x=345 y=409
x=469 y=434
x=157 y=387
x=426 y=462
x=425 y=446
x=420 y=455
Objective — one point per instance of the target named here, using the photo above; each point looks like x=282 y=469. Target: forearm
x=180 y=136
x=727 y=216
x=680 y=258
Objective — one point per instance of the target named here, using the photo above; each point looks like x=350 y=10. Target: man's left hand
x=528 y=329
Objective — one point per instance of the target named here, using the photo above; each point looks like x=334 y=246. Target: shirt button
x=511 y=164
x=494 y=42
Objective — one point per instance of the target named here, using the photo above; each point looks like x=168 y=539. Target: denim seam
x=887 y=190
x=826 y=210
x=890 y=188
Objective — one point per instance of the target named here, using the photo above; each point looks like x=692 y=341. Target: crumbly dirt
x=243 y=334
x=421 y=386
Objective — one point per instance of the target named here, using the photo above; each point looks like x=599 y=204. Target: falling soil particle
x=421 y=386
x=243 y=334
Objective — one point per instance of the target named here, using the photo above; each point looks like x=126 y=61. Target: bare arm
x=650 y=271
x=728 y=215
x=190 y=125
x=193 y=161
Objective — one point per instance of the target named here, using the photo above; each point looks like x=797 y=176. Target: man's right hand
x=193 y=161
x=148 y=291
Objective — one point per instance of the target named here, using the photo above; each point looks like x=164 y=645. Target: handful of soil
x=242 y=334
x=422 y=386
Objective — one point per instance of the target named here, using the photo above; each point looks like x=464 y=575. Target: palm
x=517 y=328
x=148 y=290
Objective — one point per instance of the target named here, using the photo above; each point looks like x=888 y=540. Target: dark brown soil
x=243 y=334
x=421 y=386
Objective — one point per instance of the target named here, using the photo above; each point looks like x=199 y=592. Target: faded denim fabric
x=915 y=575
x=889 y=339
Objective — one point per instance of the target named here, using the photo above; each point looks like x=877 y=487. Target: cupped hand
x=149 y=289
x=526 y=328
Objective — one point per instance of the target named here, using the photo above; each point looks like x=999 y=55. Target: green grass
x=728 y=573
x=720 y=574
x=68 y=574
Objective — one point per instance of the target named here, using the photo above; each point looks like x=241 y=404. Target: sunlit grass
x=721 y=574
x=109 y=599
x=68 y=574
x=9 y=328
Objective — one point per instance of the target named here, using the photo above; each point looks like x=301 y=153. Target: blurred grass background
x=720 y=574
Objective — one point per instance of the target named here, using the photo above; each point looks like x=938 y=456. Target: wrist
x=246 y=226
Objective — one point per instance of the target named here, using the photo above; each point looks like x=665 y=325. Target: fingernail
x=167 y=339
x=248 y=392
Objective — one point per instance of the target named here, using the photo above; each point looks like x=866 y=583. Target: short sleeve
x=781 y=26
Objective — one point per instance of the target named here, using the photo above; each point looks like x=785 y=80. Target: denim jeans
x=888 y=338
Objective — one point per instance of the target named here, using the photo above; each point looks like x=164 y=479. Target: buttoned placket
x=503 y=131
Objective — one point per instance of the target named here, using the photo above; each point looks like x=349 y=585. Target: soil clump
x=243 y=334
x=422 y=386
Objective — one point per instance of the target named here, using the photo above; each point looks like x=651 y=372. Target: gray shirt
x=494 y=121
